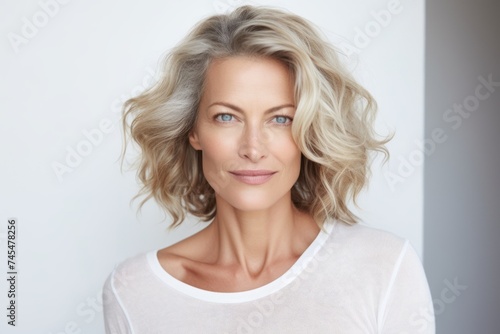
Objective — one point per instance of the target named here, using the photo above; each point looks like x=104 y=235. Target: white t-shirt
x=351 y=279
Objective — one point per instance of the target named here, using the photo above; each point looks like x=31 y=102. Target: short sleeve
x=115 y=318
x=407 y=306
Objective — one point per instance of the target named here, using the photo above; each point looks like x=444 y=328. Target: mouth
x=253 y=177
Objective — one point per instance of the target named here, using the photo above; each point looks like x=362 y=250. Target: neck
x=252 y=241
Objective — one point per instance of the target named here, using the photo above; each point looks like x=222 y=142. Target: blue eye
x=282 y=119
x=224 y=117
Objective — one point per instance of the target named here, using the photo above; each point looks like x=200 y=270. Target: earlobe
x=194 y=141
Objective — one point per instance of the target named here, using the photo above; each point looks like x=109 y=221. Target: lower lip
x=253 y=179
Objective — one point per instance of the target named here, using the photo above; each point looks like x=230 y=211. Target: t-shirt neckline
x=249 y=295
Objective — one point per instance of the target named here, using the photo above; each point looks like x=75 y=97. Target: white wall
x=462 y=185
x=63 y=81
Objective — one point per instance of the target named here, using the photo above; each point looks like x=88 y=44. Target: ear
x=194 y=140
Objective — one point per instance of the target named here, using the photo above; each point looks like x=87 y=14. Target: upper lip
x=252 y=172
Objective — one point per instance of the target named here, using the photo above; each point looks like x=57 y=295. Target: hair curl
x=332 y=125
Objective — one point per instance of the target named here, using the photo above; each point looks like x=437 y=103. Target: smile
x=253 y=177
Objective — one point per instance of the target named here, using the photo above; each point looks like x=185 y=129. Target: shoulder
x=364 y=237
x=373 y=257
x=128 y=272
x=366 y=245
x=128 y=290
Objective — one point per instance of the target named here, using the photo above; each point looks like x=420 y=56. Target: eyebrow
x=238 y=109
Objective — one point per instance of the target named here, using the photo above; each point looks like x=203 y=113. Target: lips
x=253 y=177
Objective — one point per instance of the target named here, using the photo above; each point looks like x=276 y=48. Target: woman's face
x=244 y=132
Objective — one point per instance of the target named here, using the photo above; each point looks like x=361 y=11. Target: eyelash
x=290 y=119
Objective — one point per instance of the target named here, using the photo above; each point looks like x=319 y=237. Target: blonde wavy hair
x=332 y=125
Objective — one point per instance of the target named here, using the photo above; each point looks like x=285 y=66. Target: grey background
x=461 y=182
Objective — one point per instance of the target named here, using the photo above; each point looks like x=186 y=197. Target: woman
x=257 y=129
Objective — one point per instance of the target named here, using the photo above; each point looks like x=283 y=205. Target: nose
x=253 y=143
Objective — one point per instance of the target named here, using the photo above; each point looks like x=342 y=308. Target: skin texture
x=244 y=123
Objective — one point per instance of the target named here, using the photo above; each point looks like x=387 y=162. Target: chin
x=251 y=200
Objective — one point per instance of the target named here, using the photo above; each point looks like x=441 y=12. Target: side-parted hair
x=332 y=125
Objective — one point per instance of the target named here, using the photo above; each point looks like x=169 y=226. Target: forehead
x=243 y=78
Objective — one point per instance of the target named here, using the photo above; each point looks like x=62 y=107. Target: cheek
x=296 y=164
x=217 y=158
x=296 y=159
x=289 y=157
x=289 y=152
x=216 y=147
